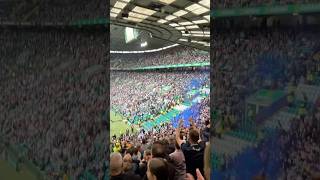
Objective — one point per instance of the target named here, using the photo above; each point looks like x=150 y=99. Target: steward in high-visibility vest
x=117 y=147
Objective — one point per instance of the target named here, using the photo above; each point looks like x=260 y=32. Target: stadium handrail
x=266 y=10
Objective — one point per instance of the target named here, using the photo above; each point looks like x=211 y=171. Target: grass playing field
x=117 y=124
x=8 y=172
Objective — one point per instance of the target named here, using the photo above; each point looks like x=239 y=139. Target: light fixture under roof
x=180 y=28
x=167 y=1
x=162 y=21
x=183 y=40
x=196 y=32
x=205 y=3
x=200 y=35
x=201 y=42
x=133 y=19
x=201 y=21
x=185 y=23
x=144 y=44
x=193 y=7
x=115 y=10
x=197 y=9
x=113 y=14
x=180 y=13
x=120 y=5
x=170 y=17
x=192 y=27
x=126 y=0
x=207 y=17
x=200 y=11
x=136 y=15
x=186 y=34
x=143 y=10
x=173 y=24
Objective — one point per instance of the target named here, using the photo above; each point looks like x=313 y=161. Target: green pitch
x=117 y=124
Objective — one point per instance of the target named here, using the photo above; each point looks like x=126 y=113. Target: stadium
x=252 y=112
x=159 y=89
x=265 y=117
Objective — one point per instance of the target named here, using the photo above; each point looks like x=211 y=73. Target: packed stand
x=300 y=147
x=52 y=12
x=150 y=93
x=175 y=55
x=54 y=97
x=72 y=11
x=220 y=4
x=234 y=81
x=165 y=152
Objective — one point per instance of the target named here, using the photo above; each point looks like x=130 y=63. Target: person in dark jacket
x=193 y=150
x=143 y=166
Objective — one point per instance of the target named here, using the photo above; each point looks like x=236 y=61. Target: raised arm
x=194 y=127
x=179 y=141
x=192 y=124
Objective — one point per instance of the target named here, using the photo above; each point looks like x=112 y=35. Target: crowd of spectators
x=165 y=152
x=150 y=93
x=237 y=74
x=176 y=55
x=234 y=81
x=182 y=153
x=220 y=4
x=52 y=12
x=300 y=147
x=53 y=99
x=72 y=11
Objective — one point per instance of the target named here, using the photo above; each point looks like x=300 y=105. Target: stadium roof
x=163 y=22
x=118 y=43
